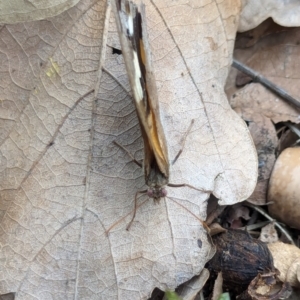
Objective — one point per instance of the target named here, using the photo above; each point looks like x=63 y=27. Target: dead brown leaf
x=273 y=56
x=235 y=213
x=268 y=234
x=268 y=287
x=190 y=289
x=287 y=139
x=265 y=139
x=287 y=261
x=218 y=287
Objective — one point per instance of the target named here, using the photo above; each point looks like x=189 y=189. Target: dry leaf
x=254 y=12
x=265 y=140
x=267 y=287
x=287 y=260
x=274 y=57
x=190 y=289
x=216 y=228
x=295 y=295
x=235 y=214
x=257 y=98
x=268 y=234
x=251 y=37
x=287 y=139
x=64 y=183
x=14 y=11
x=218 y=287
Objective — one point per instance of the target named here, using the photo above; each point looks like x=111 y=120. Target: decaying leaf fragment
x=273 y=57
x=190 y=289
x=287 y=261
x=269 y=234
x=266 y=287
x=218 y=287
x=235 y=214
x=265 y=139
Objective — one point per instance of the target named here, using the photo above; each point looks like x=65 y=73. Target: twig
x=255 y=226
x=265 y=82
x=262 y=212
x=293 y=128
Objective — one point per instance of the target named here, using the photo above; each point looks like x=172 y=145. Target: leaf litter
x=61 y=212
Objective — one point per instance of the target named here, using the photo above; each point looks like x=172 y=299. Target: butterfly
x=131 y=24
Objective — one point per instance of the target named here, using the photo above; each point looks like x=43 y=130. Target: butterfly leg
x=183 y=141
x=123 y=148
x=135 y=206
x=190 y=186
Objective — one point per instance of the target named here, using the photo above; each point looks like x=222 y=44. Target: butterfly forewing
x=135 y=49
x=131 y=23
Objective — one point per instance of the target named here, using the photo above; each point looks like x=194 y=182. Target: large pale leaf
x=285 y=13
x=65 y=183
x=14 y=11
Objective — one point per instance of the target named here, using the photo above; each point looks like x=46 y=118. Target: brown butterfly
x=131 y=25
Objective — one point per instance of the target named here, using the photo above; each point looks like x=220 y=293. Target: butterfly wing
x=135 y=49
